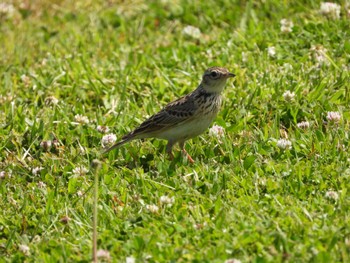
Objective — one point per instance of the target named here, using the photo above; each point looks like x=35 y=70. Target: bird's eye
x=214 y=74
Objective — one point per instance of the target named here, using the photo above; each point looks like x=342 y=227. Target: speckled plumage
x=185 y=117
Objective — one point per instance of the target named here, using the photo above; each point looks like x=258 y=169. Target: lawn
x=271 y=186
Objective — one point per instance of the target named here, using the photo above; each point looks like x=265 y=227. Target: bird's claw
x=189 y=158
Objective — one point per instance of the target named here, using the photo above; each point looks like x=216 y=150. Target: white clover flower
x=80 y=170
x=303 y=125
x=81 y=119
x=314 y=251
x=287 y=66
x=333 y=116
x=286 y=25
x=102 y=129
x=271 y=51
x=152 y=208
x=2 y=175
x=80 y=193
x=167 y=200
x=108 y=140
x=330 y=10
x=51 y=100
x=199 y=226
x=25 y=79
x=46 y=145
x=321 y=59
x=192 y=31
x=232 y=260
x=103 y=254
x=288 y=95
x=44 y=62
x=319 y=55
x=318 y=49
x=41 y=184
x=36 y=170
x=130 y=259
x=332 y=195
x=7 y=9
x=284 y=144
x=24 y=249
x=217 y=131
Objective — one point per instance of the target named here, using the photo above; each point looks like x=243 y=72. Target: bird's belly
x=186 y=130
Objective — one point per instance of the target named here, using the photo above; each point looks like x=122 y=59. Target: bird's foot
x=189 y=158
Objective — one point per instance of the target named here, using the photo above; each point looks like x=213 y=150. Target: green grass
x=119 y=62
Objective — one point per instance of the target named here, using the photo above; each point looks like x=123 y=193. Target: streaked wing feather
x=171 y=115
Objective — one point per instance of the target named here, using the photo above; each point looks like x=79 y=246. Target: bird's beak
x=231 y=75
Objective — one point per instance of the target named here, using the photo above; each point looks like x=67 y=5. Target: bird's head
x=214 y=79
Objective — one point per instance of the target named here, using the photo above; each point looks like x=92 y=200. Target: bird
x=186 y=117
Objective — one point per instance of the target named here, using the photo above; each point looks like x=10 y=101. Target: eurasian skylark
x=186 y=117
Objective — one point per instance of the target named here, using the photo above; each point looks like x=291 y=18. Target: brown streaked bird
x=186 y=117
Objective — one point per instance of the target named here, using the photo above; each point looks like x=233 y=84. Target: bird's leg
x=182 y=146
x=169 y=148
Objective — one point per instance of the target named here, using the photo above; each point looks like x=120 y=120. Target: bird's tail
x=124 y=140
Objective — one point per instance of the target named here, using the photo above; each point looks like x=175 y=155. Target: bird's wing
x=173 y=114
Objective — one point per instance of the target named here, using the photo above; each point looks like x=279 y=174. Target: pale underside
x=184 y=130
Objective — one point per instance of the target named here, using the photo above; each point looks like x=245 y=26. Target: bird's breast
x=210 y=106
x=204 y=116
